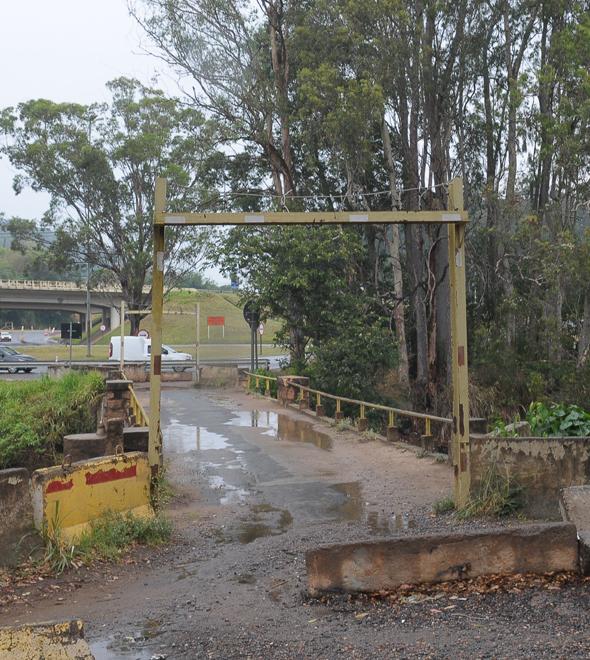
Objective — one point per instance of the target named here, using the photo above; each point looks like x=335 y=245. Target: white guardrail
x=48 y=285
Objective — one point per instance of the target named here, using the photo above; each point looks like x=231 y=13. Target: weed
x=441 y=458
x=497 y=496
x=344 y=424
x=422 y=453
x=161 y=492
x=444 y=506
x=106 y=538
x=370 y=436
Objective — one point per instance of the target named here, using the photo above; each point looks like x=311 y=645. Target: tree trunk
x=393 y=249
x=584 y=341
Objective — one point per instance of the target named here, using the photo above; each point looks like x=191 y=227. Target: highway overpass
x=62 y=296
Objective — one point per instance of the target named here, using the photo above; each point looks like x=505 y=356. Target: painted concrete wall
x=542 y=466
x=70 y=497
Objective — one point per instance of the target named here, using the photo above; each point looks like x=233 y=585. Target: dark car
x=8 y=354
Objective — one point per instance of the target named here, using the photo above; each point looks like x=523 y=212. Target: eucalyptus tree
x=99 y=163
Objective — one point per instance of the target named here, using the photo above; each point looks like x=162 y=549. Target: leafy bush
x=558 y=420
x=261 y=389
x=35 y=415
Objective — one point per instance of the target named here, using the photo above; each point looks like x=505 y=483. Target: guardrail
x=391 y=411
x=171 y=365
x=50 y=285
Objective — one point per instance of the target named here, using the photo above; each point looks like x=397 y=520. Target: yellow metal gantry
x=455 y=217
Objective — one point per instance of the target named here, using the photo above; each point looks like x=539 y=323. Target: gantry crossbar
x=313 y=218
x=454 y=217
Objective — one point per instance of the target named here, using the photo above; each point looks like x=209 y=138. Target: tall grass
x=35 y=415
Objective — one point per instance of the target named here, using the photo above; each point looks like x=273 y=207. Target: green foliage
x=446 y=505
x=107 y=538
x=35 y=415
x=261 y=389
x=501 y=429
x=498 y=496
x=558 y=420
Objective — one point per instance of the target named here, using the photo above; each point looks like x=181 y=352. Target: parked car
x=8 y=354
x=140 y=348
x=5 y=336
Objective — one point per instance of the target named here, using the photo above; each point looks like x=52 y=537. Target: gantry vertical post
x=154 y=446
x=460 y=377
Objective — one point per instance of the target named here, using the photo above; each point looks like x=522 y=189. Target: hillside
x=179 y=326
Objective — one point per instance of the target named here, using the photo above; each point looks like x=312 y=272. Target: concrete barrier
x=58 y=641
x=16 y=513
x=541 y=466
x=384 y=565
x=70 y=497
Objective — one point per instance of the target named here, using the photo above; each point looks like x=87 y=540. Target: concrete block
x=70 y=497
x=393 y=434
x=584 y=551
x=136 y=438
x=427 y=442
x=478 y=425
x=45 y=640
x=362 y=424
x=319 y=411
x=16 y=513
x=574 y=504
x=383 y=565
x=338 y=416
x=82 y=446
x=118 y=385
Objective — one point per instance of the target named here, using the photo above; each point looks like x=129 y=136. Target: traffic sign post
x=252 y=318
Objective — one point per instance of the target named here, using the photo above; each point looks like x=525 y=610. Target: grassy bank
x=181 y=329
x=36 y=414
x=101 y=353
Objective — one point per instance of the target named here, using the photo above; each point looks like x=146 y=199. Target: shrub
x=558 y=420
x=35 y=415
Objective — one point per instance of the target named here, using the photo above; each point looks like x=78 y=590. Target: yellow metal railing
x=141 y=418
x=392 y=413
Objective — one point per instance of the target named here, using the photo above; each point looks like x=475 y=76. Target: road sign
x=103 y=328
x=216 y=320
x=261 y=329
x=143 y=333
x=251 y=314
x=76 y=330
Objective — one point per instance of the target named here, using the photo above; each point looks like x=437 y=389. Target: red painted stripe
x=58 y=486
x=104 y=476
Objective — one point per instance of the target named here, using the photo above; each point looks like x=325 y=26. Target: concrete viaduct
x=62 y=296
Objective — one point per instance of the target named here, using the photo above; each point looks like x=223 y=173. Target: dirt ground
x=256 y=486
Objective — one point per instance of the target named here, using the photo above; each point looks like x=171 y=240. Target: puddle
x=281 y=427
x=294 y=430
x=132 y=645
x=264 y=520
x=353 y=509
x=254 y=419
x=233 y=494
x=181 y=438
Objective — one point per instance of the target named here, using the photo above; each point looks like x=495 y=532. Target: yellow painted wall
x=70 y=497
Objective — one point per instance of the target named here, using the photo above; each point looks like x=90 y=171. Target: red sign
x=216 y=320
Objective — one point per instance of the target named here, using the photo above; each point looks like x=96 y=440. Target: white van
x=138 y=349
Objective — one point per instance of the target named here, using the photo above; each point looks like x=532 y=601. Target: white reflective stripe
x=160 y=261
x=253 y=218
x=359 y=217
x=451 y=217
x=174 y=219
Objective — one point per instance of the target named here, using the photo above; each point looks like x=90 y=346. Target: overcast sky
x=66 y=50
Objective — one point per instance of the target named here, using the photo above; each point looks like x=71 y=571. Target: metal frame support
x=455 y=218
x=154 y=445
x=459 y=368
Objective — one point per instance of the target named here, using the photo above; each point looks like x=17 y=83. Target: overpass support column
x=115 y=317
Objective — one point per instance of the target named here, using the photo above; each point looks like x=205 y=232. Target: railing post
x=319 y=409
x=338 y=414
x=363 y=423
x=392 y=430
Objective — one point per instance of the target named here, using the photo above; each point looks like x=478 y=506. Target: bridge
x=47 y=295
